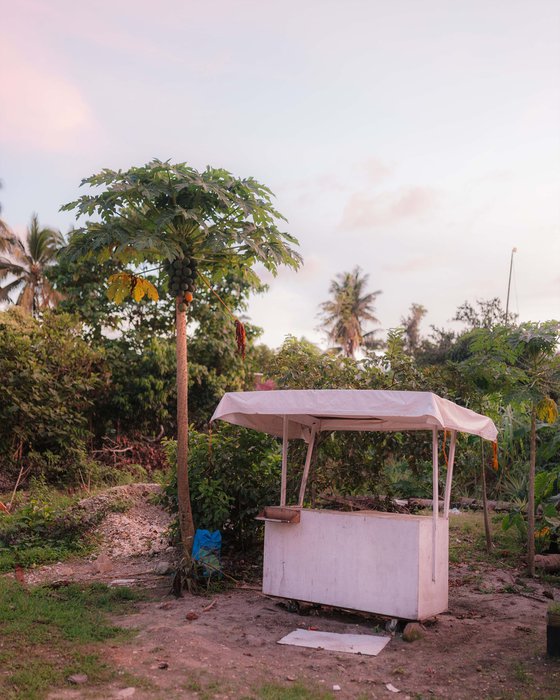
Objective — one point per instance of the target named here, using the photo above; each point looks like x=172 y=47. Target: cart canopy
x=348 y=409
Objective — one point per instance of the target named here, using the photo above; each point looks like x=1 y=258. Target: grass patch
x=467 y=541
x=49 y=634
x=37 y=554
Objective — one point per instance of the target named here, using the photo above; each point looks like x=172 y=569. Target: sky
x=417 y=140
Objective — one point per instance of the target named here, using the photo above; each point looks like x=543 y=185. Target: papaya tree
x=522 y=364
x=194 y=228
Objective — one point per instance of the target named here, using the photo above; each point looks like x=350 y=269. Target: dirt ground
x=490 y=644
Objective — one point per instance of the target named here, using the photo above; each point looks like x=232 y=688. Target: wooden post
x=307 y=464
x=284 y=479
x=435 y=498
x=487 y=530
x=449 y=478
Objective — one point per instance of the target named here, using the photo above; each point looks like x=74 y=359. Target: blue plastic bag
x=207 y=549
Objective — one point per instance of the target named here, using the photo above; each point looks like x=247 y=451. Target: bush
x=50 y=379
x=233 y=473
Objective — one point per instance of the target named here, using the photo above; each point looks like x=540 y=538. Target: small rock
x=191 y=615
x=412 y=632
x=162 y=568
x=336 y=688
x=77 y=678
x=122 y=582
x=290 y=678
x=163 y=665
x=165 y=606
x=548 y=593
x=126 y=692
x=103 y=564
x=390 y=687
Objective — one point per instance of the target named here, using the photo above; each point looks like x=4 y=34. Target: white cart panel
x=365 y=560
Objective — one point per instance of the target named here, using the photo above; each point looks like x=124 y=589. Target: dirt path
x=490 y=644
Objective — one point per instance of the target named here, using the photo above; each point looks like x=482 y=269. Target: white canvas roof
x=348 y=409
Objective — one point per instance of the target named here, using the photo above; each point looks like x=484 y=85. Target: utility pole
x=513 y=250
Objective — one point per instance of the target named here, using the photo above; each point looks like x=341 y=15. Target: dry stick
x=209 y=607
x=20 y=475
x=489 y=543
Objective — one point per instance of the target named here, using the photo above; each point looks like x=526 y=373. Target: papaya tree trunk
x=186 y=525
x=531 y=494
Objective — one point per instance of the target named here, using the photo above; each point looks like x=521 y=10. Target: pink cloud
x=376 y=170
x=365 y=210
x=40 y=110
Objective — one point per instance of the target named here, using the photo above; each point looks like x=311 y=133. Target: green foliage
x=43 y=530
x=50 y=526
x=547 y=526
x=301 y=365
x=143 y=387
x=150 y=213
x=83 y=295
x=50 y=381
x=351 y=462
x=233 y=473
x=401 y=481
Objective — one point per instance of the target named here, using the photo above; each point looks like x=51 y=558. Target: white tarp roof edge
x=349 y=409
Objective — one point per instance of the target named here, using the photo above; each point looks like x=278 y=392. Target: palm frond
x=6 y=290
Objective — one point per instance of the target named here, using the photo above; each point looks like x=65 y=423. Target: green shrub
x=50 y=379
x=233 y=473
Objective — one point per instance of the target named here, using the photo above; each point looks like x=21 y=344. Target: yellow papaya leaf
x=143 y=287
x=547 y=410
x=120 y=286
x=123 y=284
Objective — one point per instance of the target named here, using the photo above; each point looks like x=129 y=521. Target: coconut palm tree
x=197 y=227
x=349 y=309
x=24 y=263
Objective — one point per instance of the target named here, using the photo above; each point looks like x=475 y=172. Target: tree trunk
x=531 y=494
x=487 y=530
x=186 y=525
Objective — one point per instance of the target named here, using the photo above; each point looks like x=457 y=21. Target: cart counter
x=364 y=560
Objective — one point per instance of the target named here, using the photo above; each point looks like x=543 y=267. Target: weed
x=193 y=685
x=520 y=674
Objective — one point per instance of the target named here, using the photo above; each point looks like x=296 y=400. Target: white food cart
x=385 y=563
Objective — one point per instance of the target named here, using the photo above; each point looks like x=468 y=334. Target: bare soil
x=490 y=644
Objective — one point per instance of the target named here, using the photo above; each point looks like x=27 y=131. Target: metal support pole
x=513 y=250
x=284 y=462
x=449 y=478
x=307 y=465
x=435 y=498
